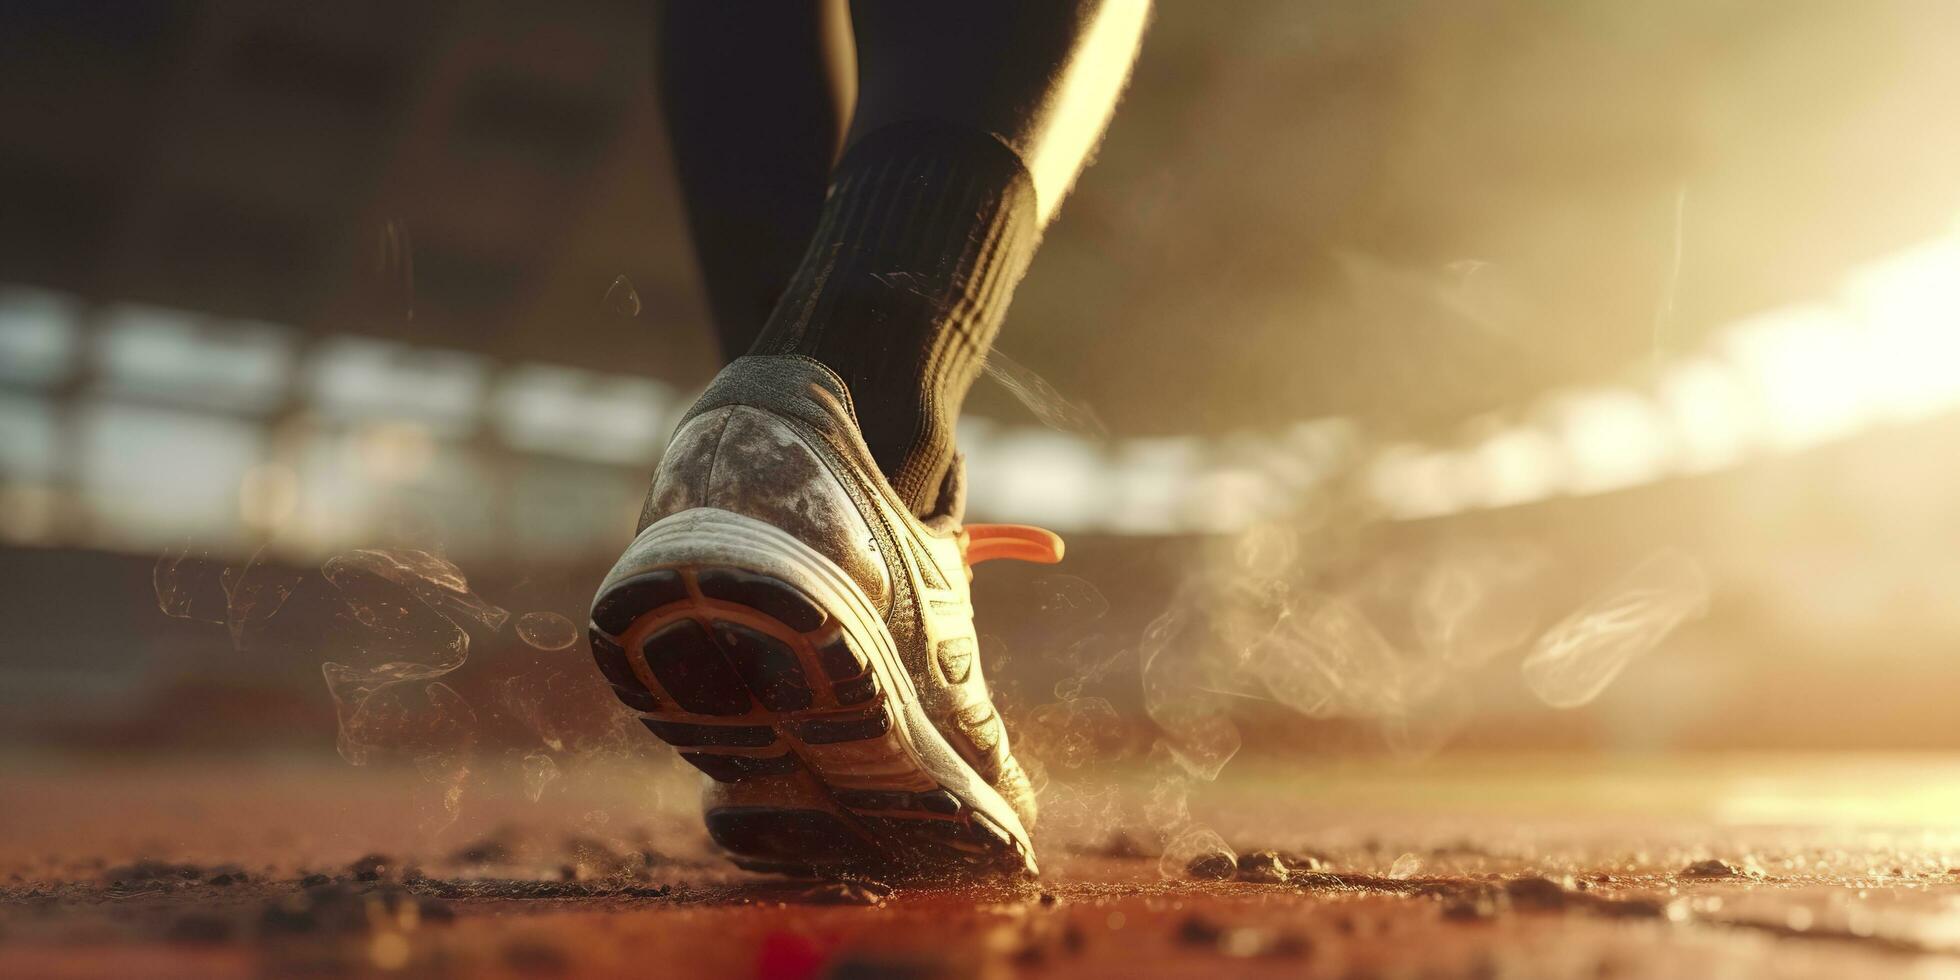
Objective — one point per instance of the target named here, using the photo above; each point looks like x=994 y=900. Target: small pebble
x=371 y=867
x=1296 y=861
x=1212 y=867
x=1536 y=893
x=1712 y=868
x=1406 y=866
x=229 y=874
x=1263 y=867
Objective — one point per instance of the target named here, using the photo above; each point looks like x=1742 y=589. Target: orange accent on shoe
x=985 y=542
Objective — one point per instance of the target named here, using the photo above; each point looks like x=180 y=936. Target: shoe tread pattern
x=750 y=679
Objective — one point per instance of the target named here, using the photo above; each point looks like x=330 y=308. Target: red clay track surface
x=1475 y=867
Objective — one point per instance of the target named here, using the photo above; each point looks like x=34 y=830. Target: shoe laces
x=1021 y=542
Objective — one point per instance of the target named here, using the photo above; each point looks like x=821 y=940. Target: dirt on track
x=212 y=870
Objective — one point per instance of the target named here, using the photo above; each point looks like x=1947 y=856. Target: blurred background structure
x=1564 y=284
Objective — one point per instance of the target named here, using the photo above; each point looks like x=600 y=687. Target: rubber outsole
x=759 y=686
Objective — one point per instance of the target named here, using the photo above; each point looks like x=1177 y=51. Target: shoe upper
x=775 y=438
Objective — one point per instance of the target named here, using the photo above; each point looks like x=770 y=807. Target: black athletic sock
x=926 y=231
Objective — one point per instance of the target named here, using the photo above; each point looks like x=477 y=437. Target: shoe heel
x=764 y=665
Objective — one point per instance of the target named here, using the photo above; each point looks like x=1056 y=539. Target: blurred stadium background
x=1586 y=279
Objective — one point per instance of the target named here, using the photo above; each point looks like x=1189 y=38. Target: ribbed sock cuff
x=925 y=233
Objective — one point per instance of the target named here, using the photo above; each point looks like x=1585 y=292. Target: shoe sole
x=764 y=665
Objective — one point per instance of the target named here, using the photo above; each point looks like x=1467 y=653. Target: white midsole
x=711 y=537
